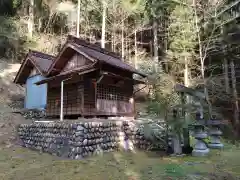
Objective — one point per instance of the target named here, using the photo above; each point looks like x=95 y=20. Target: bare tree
x=135 y=49
x=209 y=15
x=104 y=14
x=205 y=46
x=155 y=44
x=78 y=17
x=122 y=39
x=235 y=94
x=31 y=18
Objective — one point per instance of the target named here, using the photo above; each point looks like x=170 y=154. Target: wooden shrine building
x=86 y=80
x=33 y=69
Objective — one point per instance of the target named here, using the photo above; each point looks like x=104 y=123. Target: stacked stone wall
x=81 y=139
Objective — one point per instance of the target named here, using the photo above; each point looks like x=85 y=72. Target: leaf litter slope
x=11 y=99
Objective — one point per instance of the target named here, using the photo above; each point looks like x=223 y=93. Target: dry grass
x=23 y=164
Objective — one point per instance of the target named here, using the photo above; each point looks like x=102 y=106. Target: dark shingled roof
x=96 y=47
x=100 y=54
x=42 y=60
x=39 y=60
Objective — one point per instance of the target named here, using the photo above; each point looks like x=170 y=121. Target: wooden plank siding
x=87 y=99
x=112 y=100
x=34 y=72
x=72 y=100
x=53 y=101
x=75 y=62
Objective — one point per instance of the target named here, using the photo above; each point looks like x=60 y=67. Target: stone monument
x=200 y=148
x=215 y=133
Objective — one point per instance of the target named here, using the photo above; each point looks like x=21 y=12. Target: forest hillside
x=189 y=42
x=189 y=50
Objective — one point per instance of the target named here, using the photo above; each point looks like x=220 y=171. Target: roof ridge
x=41 y=54
x=95 y=47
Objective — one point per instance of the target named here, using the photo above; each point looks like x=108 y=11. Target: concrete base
x=199 y=153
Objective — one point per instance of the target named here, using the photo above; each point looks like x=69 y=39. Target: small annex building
x=86 y=80
x=33 y=69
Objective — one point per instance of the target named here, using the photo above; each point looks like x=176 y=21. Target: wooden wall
x=75 y=62
x=33 y=72
x=83 y=97
x=72 y=100
x=88 y=99
x=53 y=101
x=112 y=100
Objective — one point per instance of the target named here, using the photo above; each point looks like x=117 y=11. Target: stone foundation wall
x=81 y=139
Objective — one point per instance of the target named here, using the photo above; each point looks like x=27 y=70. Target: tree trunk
x=186 y=139
x=235 y=96
x=78 y=18
x=202 y=60
x=113 y=27
x=165 y=50
x=206 y=89
x=226 y=78
x=225 y=67
x=122 y=39
x=39 y=24
x=155 y=45
x=104 y=14
x=127 y=49
x=135 y=49
x=112 y=41
x=31 y=18
x=186 y=72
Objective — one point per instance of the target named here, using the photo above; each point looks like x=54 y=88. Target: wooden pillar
x=61 y=111
x=62 y=90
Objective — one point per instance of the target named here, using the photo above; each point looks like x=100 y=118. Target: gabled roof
x=102 y=55
x=42 y=60
x=39 y=60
